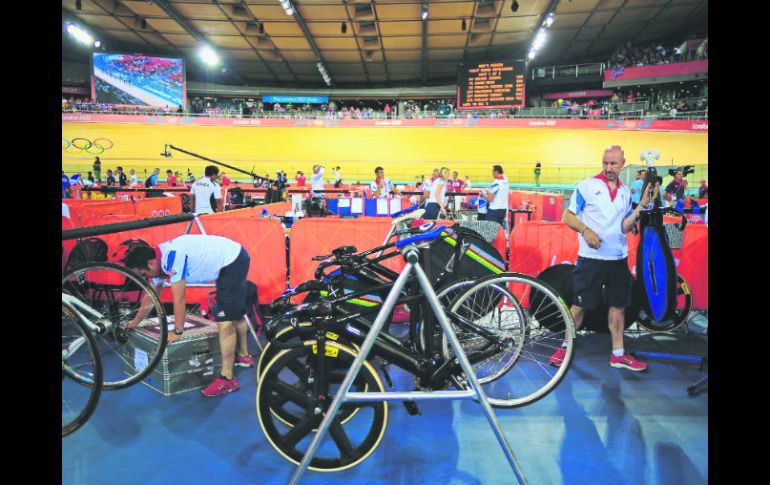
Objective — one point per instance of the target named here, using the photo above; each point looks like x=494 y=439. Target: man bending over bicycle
x=202 y=259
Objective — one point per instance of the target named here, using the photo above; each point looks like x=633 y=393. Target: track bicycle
x=99 y=300
x=507 y=323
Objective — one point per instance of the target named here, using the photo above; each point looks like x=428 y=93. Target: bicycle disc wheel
x=347 y=444
x=680 y=315
x=112 y=296
x=534 y=321
x=499 y=313
x=79 y=358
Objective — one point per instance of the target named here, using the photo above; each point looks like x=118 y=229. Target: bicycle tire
x=268 y=387
x=470 y=341
x=548 y=324
x=116 y=293
x=72 y=323
x=680 y=315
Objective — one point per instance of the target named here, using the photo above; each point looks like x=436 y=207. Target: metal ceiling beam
x=424 y=4
x=355 y=37
x=309 y=37
x=379 y=35
x=604 y=27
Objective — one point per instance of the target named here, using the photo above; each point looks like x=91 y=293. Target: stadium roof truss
x=386 y=42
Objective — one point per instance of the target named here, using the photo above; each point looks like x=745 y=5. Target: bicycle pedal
x=385 y=374
x=411 y=408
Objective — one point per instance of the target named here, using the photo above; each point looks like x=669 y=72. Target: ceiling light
x=208 y=55
x=465 y=25
x=514 y=6
x=78 y=5
x=549 y=20
x=79 y=34
x=143 y=24
x=531 y=55
x=344 y=27
x=539 y=40
x=261 y=28
x=424 y=9
x=97 y=43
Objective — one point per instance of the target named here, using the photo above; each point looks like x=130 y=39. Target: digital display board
x=296 y=99
x=490 y=85
x=138 y=80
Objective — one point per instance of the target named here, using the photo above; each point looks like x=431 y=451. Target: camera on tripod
x=686 y=169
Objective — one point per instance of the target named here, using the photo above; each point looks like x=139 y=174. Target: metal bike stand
x=411 y=255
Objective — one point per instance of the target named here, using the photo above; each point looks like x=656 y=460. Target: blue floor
x=600 y=426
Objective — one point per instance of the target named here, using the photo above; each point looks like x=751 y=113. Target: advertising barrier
x=656 y=71
x=572 y=124
x=537 y=245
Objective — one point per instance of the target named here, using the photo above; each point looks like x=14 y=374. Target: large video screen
x=138 y=80
x=490 y=85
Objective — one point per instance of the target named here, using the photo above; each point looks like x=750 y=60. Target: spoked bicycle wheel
x=445 y=296
x=112 y=295
x=290 y=381
x=534 y=322
x=497 y=311
x=680 y=315
x=80 y=358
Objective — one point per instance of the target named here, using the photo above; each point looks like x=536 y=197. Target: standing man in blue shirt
x=636 y=188
x=65 y=186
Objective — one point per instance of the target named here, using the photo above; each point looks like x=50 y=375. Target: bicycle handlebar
x=425 y=236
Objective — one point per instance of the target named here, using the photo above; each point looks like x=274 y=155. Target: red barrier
x=318 y=236
x=265 y=242
x=158 y=207
x=81 y=210
x=694 y=264
x=537 y=245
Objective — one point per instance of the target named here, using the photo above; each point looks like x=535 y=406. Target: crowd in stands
x=630 y=55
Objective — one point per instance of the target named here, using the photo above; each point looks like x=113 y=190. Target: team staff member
x=317 y=182
x=600 y=210
x=497 y=197
x=202 y=191
x=436 y=204
x=198 y=258
x=382 y=186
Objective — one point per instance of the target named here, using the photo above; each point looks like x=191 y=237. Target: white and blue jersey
x=500 y=188
x=602 y=211
x=387 y=186
x=196 y=258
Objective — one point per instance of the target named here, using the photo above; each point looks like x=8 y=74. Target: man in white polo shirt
x=202 y=191
x=497 y=197
x=600 y=210
x=197 y=258
x=382 y=186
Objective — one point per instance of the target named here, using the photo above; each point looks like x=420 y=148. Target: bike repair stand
x=411 y=255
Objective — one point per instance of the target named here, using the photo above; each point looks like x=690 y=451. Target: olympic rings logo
x=161 y=212
x=76 y=146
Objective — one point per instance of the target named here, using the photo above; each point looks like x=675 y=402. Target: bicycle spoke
x=303 y=428
x=290 y=393
x=340 y=439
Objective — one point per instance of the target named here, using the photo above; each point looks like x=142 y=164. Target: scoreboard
x=490 y=85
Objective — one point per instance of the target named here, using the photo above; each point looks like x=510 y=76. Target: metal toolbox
x=190 y=363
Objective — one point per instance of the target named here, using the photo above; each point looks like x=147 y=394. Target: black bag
x=148 y=182
x=91 y=250
x=464 y=253
x=252 y=307
x=236 y=197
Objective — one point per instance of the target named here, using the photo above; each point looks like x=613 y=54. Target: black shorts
x=497 y=215
x=592 y=277
x=231 y=289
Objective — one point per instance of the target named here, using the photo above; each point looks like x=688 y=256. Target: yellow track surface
x=566 y=155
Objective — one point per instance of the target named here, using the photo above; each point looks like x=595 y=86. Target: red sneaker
x=627 y=362
x=558 y=357
x=245 y=361
x=220 y=387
